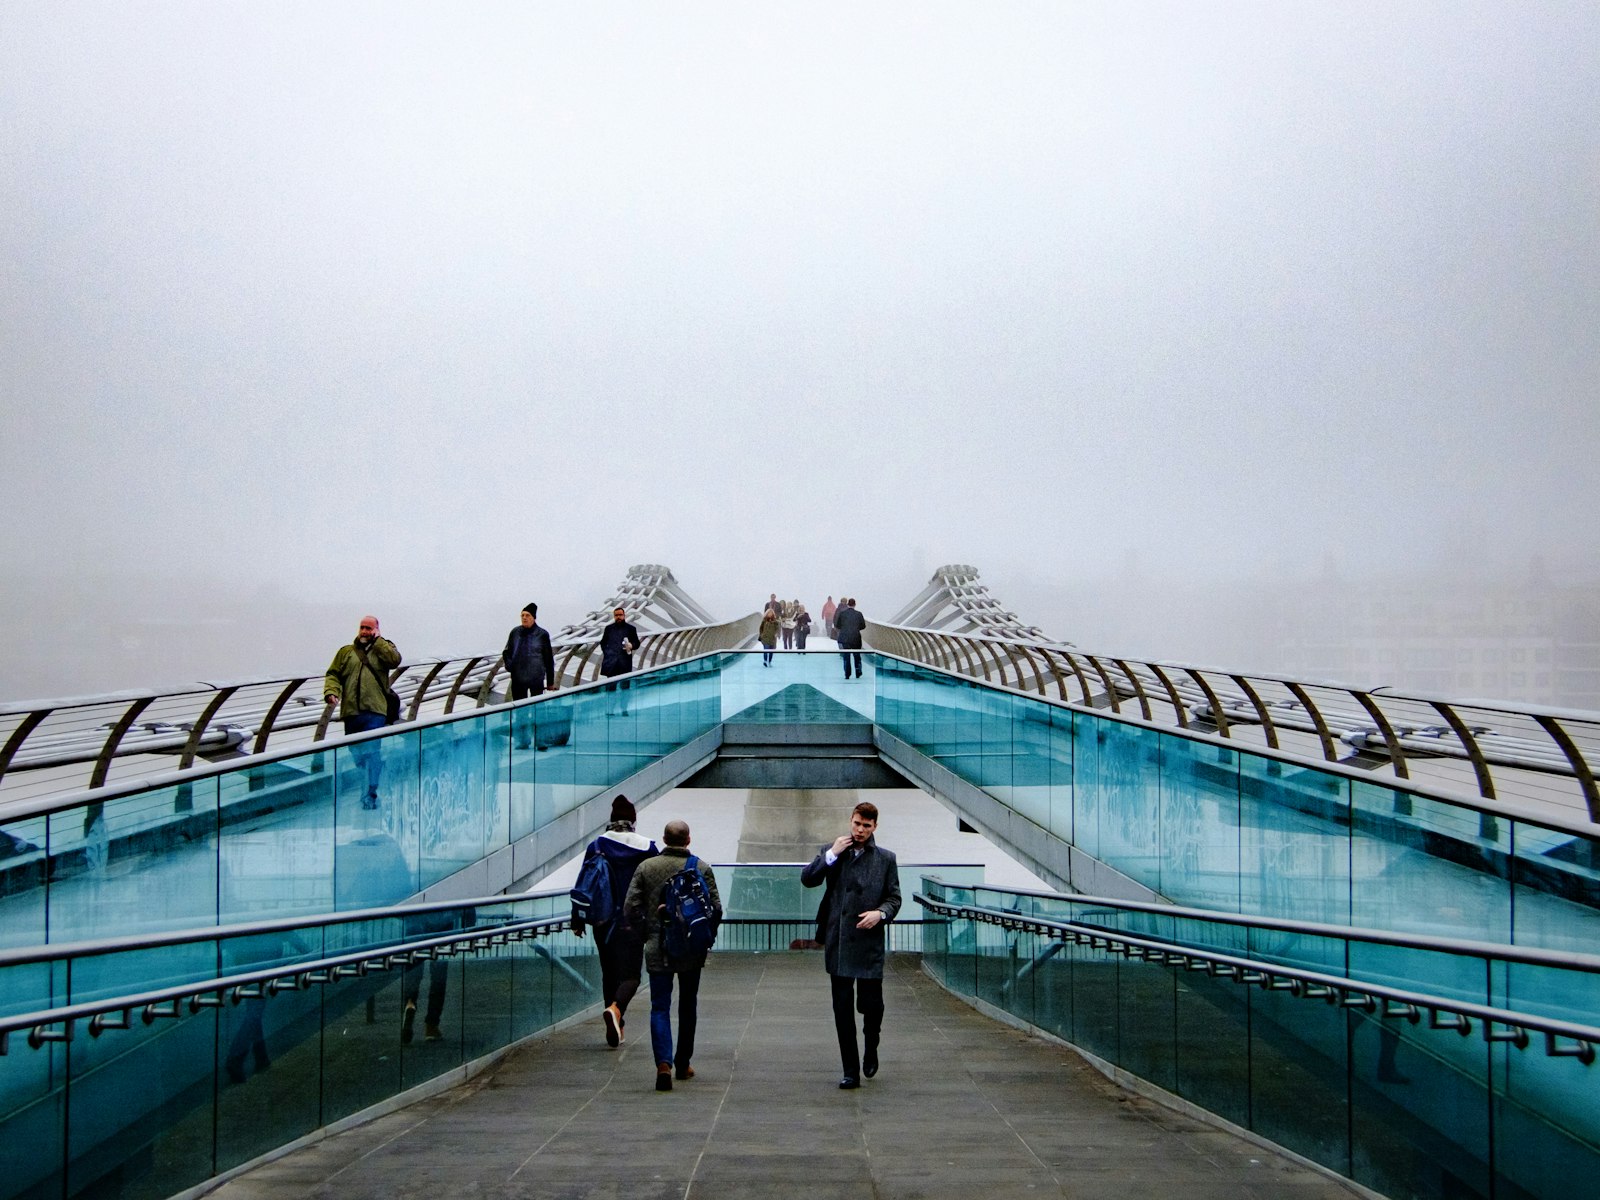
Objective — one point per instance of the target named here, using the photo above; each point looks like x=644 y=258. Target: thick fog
x=430 y=310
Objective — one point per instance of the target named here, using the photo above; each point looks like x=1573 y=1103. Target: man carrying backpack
x=608 y=867
x=673 y=897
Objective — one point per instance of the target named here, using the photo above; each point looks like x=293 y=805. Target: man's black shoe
x=848 y=1083
x=869 y=1063
x=663 y=1077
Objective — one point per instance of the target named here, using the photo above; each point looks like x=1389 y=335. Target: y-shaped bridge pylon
x=956 y=600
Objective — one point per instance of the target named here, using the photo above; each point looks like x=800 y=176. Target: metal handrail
x=156 y=1004
x=61 y=951
x=1369 y=727
x=1562 y=1039
x=1531 y=956
x=239 y=718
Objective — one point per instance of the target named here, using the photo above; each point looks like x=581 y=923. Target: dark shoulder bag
x=390 y=695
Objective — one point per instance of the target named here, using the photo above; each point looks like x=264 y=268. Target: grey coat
x=855 y=885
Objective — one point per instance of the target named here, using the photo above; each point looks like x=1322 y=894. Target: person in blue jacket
x=620 y=945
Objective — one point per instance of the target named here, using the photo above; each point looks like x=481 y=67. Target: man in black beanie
x=531 y=663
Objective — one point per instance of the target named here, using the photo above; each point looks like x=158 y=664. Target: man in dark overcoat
x=618 y=641
x=862 y=897
x=848 y=625
x=530 y=661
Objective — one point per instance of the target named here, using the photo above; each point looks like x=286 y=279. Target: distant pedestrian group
x=790 y=622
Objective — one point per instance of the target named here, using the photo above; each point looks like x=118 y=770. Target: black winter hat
x=531 y=609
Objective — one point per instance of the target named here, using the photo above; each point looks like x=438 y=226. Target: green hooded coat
x=361 y=689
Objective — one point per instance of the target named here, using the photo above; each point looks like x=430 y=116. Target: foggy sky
x=444 y=305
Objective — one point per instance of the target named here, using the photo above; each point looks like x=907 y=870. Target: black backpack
x=688 y=919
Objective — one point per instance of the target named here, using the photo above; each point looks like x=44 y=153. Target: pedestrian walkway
x=963 y=1107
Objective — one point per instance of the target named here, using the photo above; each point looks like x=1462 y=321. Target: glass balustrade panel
x=276 y=846
x=138 y=863
x=24 y=867
x=1200 y=827
x=1294 y=842
x=1417 y=866
x=461 y=817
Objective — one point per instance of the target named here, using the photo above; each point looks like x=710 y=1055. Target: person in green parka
x=768 y=636
x=358 y=681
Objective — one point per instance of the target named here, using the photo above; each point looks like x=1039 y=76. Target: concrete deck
x=962 y=1107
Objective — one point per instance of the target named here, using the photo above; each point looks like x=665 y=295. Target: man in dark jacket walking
x=619 y=944
x=862 y=897
x=848 y=624
x=617 y=644
x=531 y=663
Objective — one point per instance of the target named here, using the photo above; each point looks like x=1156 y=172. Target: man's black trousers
x=851 y=996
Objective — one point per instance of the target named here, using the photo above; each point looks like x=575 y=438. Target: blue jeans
x=661 y=1014
x=369 y=754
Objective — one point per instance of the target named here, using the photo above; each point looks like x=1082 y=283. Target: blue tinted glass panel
x=462 y=817
x=1211 y=1045
x=1295 y=842
x=1421 y=865
x=33 y=1105
x=1200 y=827
x=148 y=1086
x=1419 y=1108
x=1545 y=1122
x=24 y=867
x=1128 y=799
x=139 y=863
x=994 y=765
x=1298 y=1067
x=276 y=846
x=360 y=1046
x=1061 y=789
x=1555 y=889
x=551 y=763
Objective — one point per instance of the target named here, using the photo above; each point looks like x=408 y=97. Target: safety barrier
x=60 y=746
x=1498 y=752
x=1381 y=1080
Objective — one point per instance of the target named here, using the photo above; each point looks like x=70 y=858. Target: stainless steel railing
x=1498 y=752
x=55 y=746
x=1561 y=1039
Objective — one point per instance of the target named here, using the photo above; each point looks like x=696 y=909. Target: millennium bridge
x=1346 y=929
